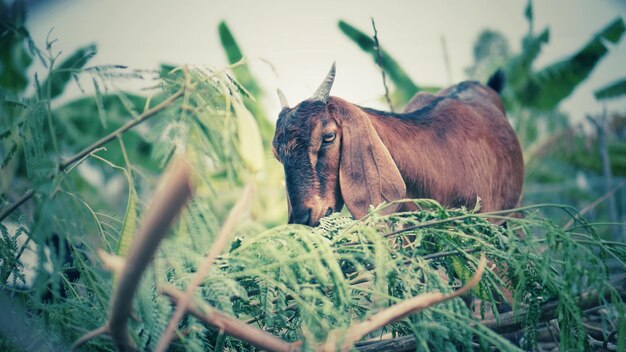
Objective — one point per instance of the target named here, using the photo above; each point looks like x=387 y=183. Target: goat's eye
x=328 y=138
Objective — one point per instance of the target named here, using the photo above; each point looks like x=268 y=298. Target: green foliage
x=67 y=69
x=15 y=47
x=490 y=52
x=559 y=155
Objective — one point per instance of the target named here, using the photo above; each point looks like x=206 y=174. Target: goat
x=453 y=147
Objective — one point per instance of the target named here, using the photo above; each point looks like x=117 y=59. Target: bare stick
x=232 y=326
x=379 y=61
x=169 y=199
x=399 y=311
x=221 y=241
x=72 y=159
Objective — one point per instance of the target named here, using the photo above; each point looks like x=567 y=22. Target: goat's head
x=332 y=154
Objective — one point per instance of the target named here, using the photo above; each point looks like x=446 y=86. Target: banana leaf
x=611 y=91
x=546 y=88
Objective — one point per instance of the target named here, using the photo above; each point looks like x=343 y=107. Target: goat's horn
x=283 y=99
x=323 y=91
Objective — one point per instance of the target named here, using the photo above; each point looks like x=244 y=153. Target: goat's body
x=455 y=146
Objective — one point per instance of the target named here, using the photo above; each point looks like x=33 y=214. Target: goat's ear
x=367 y=173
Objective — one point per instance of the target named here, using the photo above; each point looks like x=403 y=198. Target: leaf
x=549 y=86
x=129 y=225
x=39 y=163
x=245 y=79
x=465 y=274
x=250 y=143
x=234 y=55
x=61 y=75
x=528 y=12
x=518 y=67
x=611 y=91
x=99 y=105
x=404 y=85
x=15 y=57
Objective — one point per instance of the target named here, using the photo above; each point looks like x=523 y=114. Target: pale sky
x=301 y=38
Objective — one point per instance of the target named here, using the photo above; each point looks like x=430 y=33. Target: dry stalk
x=169 y=200
x=221 y=241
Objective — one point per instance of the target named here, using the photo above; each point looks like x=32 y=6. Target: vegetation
x=79 y=176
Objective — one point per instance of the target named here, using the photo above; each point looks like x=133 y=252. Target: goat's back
x=456 y=146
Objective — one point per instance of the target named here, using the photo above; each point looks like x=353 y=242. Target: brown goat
x=453 y=147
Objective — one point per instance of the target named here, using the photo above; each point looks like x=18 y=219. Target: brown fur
x=453 y=147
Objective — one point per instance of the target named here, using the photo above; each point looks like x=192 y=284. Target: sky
x=301 y=39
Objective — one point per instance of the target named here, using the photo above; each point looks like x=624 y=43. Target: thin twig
x=232 y=326
x=221 y=241
x=379 y=62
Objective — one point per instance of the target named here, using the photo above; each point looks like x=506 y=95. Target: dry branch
x=165 y=206
x=508 y=323
x=221 y=241
x=232 y=326
x=514 y=321
x=397 y=312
